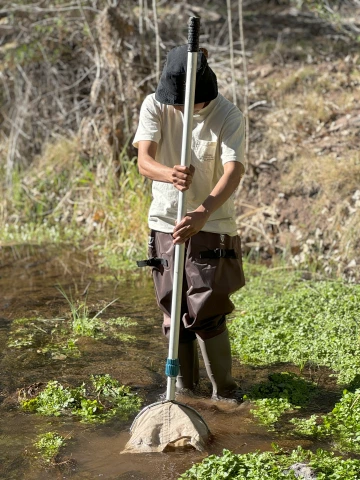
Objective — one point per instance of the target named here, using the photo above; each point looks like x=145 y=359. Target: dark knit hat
x=171 y=88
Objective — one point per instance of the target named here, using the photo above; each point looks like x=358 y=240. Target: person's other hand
x=182 y=177
x=191 y=224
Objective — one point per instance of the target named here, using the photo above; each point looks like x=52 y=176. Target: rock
x=59 y=356
x=352 y=263
x=356 y=195
x=318 y=233
x=302 y=471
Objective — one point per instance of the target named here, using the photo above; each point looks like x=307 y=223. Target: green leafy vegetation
x=103 y=399
x=342 y=424
x=82 y=323
x=87 y=325
x=272 y=466
x=285 y=385
x=57 y=337
x=282 y=318
x=283 y=392
x=54 y=400
x=22 y=333
x=269 y=410
x=50 y=337
x=37 y=234
x=59 y=351
x=48 y=446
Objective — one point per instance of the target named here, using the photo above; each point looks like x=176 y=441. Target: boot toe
x=231 y=396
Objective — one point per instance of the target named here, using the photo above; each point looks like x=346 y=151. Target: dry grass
x=300 y=80
x=335 y=177
x=303 y=199
x=304 y=144
x=350 y=240
x=63 y=190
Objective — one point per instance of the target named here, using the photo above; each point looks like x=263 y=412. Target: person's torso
x=205 y=157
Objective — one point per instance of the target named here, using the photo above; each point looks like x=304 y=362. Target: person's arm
x=180 y=177
x=194 y=221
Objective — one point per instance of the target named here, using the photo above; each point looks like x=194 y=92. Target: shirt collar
x=206 y=110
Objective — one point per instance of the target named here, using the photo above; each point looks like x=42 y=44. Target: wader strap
x=152 y=262
x=219 y=253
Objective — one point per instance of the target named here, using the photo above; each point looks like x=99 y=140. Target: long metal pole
x=193 y=48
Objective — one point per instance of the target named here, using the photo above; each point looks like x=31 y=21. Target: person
x=213 y=263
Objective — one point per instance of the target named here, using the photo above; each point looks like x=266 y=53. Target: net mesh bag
x=166 y=426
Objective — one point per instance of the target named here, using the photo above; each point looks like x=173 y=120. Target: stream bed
x=30 y=282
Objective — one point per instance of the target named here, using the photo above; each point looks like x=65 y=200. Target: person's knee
x=214 y=327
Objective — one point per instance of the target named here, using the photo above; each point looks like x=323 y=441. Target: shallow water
x=28 y=279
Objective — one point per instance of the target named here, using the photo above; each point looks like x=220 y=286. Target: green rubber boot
x=188 y=376
x=216 y=353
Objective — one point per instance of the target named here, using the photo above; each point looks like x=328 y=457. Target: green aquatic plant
x=341 y=424
x=86 y=325
x=285 y=385
x=99 y=329
x=282 y=318
x=24 y=332
x=26 y=340
x=107 y=386
x=114 y=327
x=125 y=403
x=57 y=339
x=60 y=351
x=269 y=410
x=55 y=399
x=83 y=323
x=272 y=466
x=91 y=410
x=103 y=399
x=47 y=336
x=48 y=446
x=282 y=392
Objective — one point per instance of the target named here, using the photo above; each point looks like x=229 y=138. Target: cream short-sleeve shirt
x=218 y=137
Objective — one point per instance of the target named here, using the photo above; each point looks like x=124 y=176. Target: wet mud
x=29 y=278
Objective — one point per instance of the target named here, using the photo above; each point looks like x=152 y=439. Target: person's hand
x=182 y=177
x=191 y=224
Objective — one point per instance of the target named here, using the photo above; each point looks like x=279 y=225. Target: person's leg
x=188 y=377
x=162 y=247
x=212 y=280
x=216 y=353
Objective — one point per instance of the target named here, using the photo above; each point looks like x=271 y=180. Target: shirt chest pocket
x=204 y=151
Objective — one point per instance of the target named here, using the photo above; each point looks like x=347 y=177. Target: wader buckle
x=219 y=253
x=152 y=262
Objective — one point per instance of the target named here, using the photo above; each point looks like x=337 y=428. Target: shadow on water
x=28 y=279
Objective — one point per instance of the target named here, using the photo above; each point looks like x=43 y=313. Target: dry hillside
x=80 y=71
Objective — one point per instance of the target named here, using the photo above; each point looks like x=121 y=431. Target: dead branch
x=231 y=44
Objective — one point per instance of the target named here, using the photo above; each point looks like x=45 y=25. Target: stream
x=29 y=281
